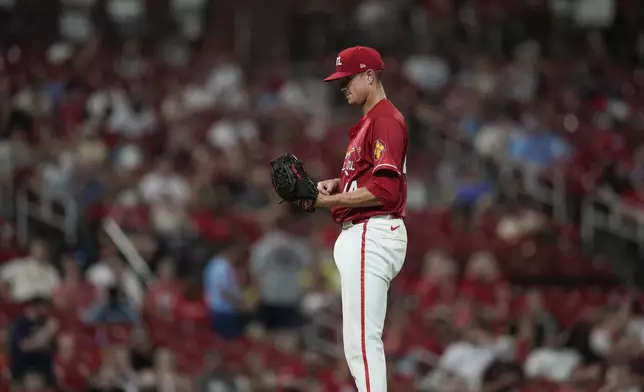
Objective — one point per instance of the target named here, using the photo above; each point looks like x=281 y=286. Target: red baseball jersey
x=377 y=142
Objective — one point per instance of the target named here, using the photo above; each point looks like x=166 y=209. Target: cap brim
x=337 y=75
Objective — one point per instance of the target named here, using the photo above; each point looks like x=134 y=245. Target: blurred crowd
x=148 y=126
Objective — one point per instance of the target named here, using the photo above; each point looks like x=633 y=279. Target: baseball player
x=368 y=200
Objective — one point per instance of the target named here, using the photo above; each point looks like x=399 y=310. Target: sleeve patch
x=379 y=150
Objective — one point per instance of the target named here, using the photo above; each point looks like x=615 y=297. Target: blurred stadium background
x=134 y=141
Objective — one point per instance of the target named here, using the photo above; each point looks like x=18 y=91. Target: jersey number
x=353 y=185
x=350 y=186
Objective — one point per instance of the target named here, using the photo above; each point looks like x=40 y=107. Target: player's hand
x=329 y=187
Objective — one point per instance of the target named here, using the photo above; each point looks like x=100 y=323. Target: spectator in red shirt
x=484 y=285
x=437 y=282
x=71 y=372
x=74 y=295
x=164 y=294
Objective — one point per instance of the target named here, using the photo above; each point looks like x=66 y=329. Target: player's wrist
x=323 y=201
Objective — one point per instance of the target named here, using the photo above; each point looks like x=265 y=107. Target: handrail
x=42 y=210
x=602 y=211
x=554 y=197
x=125 y=246
x=67 y=222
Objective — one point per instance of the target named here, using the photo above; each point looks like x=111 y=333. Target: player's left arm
x=388 y=152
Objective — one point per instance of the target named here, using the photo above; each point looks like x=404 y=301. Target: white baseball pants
x=368 y=255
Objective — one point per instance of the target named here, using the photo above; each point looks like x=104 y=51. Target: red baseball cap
x=354 y=60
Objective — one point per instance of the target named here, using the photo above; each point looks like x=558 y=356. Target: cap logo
x=338 y=61
x=363 y=66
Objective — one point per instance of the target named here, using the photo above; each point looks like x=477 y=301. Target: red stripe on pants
x=362 y=306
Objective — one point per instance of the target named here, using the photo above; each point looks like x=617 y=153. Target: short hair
x=378 y=75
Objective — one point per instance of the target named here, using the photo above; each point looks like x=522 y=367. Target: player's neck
x=373 y=99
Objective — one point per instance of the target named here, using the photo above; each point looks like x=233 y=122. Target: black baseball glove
x=292 y=183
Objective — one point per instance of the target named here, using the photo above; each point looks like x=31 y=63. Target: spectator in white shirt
x=107 y=102
x=469 y=358
x=35 y=100
x=277 y=262
x=32 y=276
x=135 y=120
x=163 y=181
x=618 y=332
x=111 y=271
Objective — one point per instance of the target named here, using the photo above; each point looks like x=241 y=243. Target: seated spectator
x=258 y=375
x=319 y=295
x=437 y=284
x=277 y=262
x=193 y=310
x=121 y=359
x=107 y=380
x=490 y=140
x=74 y=295
x=111 y=270
x=613 y=326
x=32 y=276
x=71 y=371
x=164 y=181
x=518 y=223
x=168 y=219
x=557 y=365
x=31 y=342
x=216 y=376
x=168 y=377
x=164 y=294
x=483 y=284
x=142 y=354
x=535 y=325
x=146 y=381
x=113 y=308
x=535 y=146
x=541 y=344
x=470 y=357
x=472 y=195
x=224 y=296
x=129 y=212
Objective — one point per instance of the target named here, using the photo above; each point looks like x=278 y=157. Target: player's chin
x=351 y=100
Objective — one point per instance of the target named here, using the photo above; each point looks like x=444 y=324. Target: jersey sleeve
x=389 y=147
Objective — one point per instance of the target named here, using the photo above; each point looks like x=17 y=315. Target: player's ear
x=374 y=77
x=371 y=76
